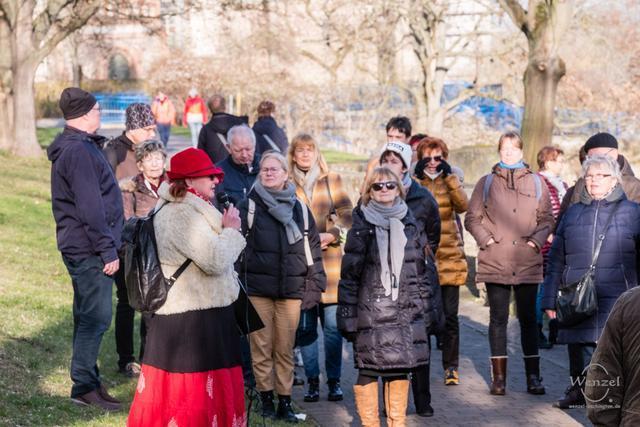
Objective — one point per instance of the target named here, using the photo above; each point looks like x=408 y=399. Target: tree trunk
x=5 y=119
x=541 y=80
x=25 y=142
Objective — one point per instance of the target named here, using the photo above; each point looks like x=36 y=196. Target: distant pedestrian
x=213 y=138
x=269 y=135
x=165 y=114
x=510 y=218
x=87 y=208
x=383 y=298
x=191 y=372
x=140 y=126
x=194 y=115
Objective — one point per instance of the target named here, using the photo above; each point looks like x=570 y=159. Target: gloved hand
x=420 y=167
x=445 y=168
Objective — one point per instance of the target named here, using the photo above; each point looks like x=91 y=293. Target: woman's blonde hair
x=306 y=139
x=374 y=176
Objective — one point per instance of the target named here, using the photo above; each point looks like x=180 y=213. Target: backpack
x=489 y=180
x=147 y=288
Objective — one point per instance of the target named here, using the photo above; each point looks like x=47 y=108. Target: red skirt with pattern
x=212 y=398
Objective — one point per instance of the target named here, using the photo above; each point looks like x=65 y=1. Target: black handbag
x=578 y=301
x=247 y=318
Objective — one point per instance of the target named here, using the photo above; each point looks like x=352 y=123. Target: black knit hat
x=75 y=102
x=602 y=139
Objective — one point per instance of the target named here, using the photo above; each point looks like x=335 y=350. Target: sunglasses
x=436 y=158
x=378 y=186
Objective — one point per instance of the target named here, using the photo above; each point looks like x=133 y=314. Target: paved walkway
x=468 y=404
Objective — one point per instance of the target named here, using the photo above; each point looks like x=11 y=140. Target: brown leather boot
x=366 y=397
x=498 y=375
x=396 y=398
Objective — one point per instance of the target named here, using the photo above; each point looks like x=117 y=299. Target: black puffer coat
x=388 y=334
x=272 y=267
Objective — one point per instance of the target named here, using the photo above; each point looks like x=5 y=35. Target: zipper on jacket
x=595 y=229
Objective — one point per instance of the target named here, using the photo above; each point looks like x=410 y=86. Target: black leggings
x=499 y=296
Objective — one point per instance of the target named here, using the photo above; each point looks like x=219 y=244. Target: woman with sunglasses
x=435 y=174
x=283 y=273
x=510 y=218
x=383 y=296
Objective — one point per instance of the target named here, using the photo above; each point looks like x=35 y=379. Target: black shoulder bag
x=578 y=301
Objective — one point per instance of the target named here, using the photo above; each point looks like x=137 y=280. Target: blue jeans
x=194 y=128
x=92 y=291
x=164 y=131
x=332 y=346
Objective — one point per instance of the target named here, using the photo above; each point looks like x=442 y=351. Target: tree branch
x=517 y=14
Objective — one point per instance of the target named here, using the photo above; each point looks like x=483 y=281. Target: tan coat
x=452 y=199
x=512 y=215
x=331 y=209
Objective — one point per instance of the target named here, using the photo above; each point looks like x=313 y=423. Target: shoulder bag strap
x=307 y=246
x=332 y=209
x=273 y=145
x=596 y=252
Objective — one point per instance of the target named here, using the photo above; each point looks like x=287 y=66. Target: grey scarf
x=307 y=180
x=280 y=204
x=391 y=240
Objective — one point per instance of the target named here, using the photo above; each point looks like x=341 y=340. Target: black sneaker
x=285 y=411
x=427 y=411
x=313 y=391
x=268 y=408
x=335 y=392
x=297 y=380
x=573 y=398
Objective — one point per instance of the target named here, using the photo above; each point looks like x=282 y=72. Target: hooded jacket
x=208 y=139
x=571 y=253
x=512 y=215
x=267 y=125
x=85 y=197
x=388 y=334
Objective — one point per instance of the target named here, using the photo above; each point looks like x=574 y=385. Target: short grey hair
x=241 y=130
x=149 y=147
x=606 y=161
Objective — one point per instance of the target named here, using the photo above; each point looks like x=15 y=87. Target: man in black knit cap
x=87 y=207
x=604 y=144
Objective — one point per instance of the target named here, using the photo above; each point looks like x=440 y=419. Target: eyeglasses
x=436 y=158
x=267 y=171
x=378 y=186
x=597 y=177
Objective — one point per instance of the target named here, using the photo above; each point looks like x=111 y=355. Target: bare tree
x=29 y=31
x=543 y=24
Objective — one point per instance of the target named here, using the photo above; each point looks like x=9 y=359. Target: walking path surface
x=468 y=404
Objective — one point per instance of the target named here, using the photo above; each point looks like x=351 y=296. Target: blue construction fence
x=113 y=105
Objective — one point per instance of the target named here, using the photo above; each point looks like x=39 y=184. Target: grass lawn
x=35 y=302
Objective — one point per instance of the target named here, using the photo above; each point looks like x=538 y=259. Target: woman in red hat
x=191 y=371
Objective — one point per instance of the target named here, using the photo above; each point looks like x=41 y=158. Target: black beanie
x=75 y=102
x=602 y=139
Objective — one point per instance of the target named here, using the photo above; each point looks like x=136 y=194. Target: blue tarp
x=113 y=105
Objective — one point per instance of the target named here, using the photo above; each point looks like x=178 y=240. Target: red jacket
x=194 y=105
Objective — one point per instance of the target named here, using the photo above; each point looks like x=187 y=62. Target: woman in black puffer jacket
x=283 y=273
x=383 y=296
